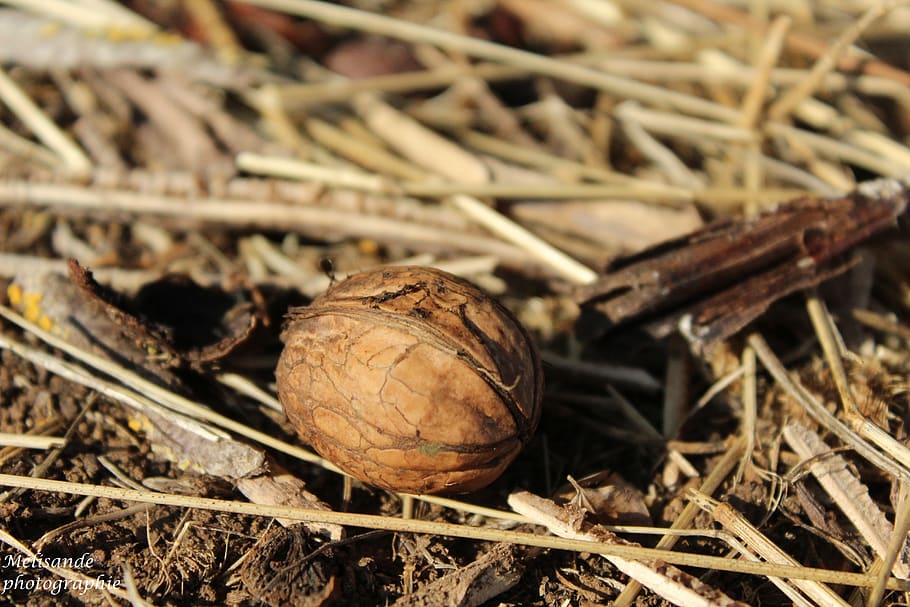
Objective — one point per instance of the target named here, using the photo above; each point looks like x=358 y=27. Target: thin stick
x=30 y=441
x=830 y=342
x=767 y=58
x=795 y=389
x=372 y=521
x=735 y=523
x=675 y=125
x=515 y=234
x=895 y=548
x=827 y=62
x=99 y=15
x=245 y=386
x=340 y=16
x=685 y=518
x=750 y=408
x=453 y=504
x=290 y=168
x=835 y=149
x=26 y=149
x=664 y=580
x=250 y=212
x=15 y=98
x=662 y=156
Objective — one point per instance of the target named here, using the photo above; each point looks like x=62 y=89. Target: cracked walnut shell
x=411 y=379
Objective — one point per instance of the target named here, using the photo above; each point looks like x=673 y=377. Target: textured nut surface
x=411 y=379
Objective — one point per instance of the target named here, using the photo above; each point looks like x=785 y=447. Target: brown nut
x=411 y=379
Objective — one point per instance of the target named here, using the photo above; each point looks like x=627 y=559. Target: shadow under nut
x=411 y=379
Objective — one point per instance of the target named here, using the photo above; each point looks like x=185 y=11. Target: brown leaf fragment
x=151 y=339
x=713 y=282
x=175 y=321
x=489 y=576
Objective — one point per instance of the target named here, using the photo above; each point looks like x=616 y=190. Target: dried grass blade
x=449 y=530
x=797 y=391
x=76 y=162
x=735 y=523
x=624 y=88
x=667 y=581
x=166 y=398
x=833 y=473
x=685 y=518
x=30 y=441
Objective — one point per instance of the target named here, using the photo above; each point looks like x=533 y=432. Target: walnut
x=411 y=379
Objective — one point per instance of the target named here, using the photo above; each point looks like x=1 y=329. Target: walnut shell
x=411 y=379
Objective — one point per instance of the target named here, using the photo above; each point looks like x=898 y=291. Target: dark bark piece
x=713 y=282
x=173 y=320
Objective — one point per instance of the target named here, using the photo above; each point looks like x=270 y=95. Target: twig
x=339 y=177
x=764 y=62
x=422 y=146
x=566 y=266
x=897 y=547
x=880 y=145
x=835 y=149
x=663 y=157
x=675 y=125
x=830 y=342
x=249 y=212
x=88 y=14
